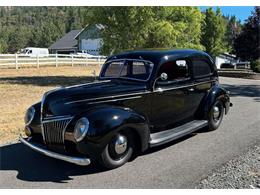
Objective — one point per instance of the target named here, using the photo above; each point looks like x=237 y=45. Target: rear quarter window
x=139 y=67
x=201 y=68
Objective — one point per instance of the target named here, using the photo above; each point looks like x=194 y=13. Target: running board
x=175 y=133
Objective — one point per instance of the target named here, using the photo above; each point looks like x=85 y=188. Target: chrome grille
x=53 y=130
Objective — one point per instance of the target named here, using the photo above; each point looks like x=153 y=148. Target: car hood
x=68 y=100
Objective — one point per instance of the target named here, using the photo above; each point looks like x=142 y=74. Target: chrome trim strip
x=160 y=90
x=95 y=82
x=71 y=159
x=107 y=97
x=41 y=116
x=114 y=100
x=56 y=119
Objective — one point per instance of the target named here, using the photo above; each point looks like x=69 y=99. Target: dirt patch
x=21 y=88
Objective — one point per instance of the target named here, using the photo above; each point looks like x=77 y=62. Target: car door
x=170 y=98
x=204 y=77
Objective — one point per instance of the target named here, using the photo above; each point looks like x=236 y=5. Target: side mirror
x=163 y=76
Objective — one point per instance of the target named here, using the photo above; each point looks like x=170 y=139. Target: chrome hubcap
x=216 y=112
x=120 y=144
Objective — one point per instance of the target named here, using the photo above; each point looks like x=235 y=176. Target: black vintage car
x=141 y=99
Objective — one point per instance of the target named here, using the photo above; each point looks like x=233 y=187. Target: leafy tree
x=187 y=22
x=3 y=46
x=4 y=32
x=247 y=43
x=48 y=33
x=213 y=32
x=149 y=27
x=18 y=39
x=125 y=27
x=162 y=35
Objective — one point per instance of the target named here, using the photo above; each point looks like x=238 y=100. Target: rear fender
x=216 y=92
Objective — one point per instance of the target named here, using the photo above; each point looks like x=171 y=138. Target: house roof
x=97 y=26
x=67 y=41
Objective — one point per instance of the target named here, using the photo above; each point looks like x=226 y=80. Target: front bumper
x=71 y=159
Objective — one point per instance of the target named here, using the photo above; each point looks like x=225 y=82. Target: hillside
x=37 y=26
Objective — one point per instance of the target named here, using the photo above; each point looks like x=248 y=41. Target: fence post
x=86 y=60
x=56 y=60
x=16 y=61
x=72 y=60
x=38 y=64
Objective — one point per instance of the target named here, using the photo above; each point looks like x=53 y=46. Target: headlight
x=29 y=115
x=81 y=128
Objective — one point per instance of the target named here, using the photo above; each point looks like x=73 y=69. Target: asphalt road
x=179 y=164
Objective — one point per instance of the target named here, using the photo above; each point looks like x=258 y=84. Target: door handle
x=191 y=89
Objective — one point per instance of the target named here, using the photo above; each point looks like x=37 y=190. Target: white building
x=225 y=58
x=89 y=39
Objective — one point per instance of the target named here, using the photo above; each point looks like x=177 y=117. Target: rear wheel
x=118 y=151
x=215 y=115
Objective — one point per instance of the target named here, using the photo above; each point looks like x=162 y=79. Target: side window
x=139 y=68
x=200 y=68
x=114 y=69
x=176 y=70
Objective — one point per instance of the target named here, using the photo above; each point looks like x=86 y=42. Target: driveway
x=179 y=164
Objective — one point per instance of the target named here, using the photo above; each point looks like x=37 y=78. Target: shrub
x=255 y=65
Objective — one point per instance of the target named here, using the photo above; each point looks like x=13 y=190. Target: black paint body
x=112 y=105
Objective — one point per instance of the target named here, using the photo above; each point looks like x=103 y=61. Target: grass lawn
x=21 y=88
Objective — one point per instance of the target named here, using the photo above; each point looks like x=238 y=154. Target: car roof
x=156 y=55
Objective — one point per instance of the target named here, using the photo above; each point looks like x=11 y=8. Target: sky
x=241 y=12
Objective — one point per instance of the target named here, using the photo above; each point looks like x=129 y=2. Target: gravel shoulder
x=241 y=172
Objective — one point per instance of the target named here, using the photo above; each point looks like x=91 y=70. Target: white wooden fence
x=20 y=60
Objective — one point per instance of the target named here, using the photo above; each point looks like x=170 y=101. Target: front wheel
x=215 y=115
x=118 y=151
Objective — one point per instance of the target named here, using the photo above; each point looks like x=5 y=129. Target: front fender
x=105 y=121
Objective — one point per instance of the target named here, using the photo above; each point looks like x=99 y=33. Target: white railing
x=20 y=60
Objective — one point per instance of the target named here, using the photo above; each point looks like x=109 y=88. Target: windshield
x=128 y=69
x=24 y=51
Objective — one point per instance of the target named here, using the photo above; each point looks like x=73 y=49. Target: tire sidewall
x=107 y=161
x=213 y=125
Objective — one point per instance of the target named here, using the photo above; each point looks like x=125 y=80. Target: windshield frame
x=124 y=60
